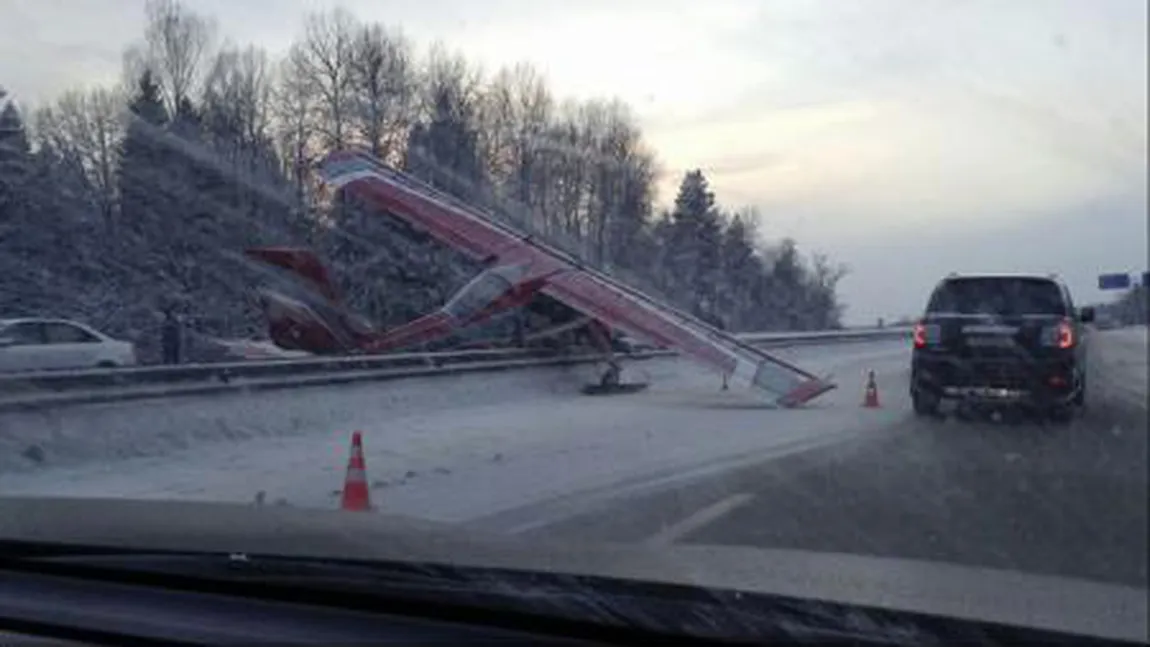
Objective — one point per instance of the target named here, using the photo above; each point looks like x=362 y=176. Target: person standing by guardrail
x=171 y=335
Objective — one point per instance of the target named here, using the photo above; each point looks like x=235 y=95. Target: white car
x=44 y=344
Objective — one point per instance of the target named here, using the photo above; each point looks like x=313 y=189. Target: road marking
x=698 y=519
x=547 y=512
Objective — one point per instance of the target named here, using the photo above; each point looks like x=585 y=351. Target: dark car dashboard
x=212 y=599
x=68 y=611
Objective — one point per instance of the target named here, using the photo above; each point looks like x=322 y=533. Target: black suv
x=1000 y=339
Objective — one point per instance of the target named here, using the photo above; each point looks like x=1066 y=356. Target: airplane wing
x=585 y=289
x=634 y=313
x=443 y=217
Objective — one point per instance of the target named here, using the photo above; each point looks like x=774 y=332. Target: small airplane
x=518 y=271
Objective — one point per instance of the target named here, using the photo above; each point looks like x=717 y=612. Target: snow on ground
x=147 y=428
x=1124 y=353
x=455 y=449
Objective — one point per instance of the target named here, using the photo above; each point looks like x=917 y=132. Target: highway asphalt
x=1044 y=498
x=523 y=453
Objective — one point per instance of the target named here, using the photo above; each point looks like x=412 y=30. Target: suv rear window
x=1001 y=296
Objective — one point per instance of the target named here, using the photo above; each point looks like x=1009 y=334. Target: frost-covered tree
x=15 y=159
x=322 y=63
x=146 y=168
x=443 y=148
x=48 y=226
x=694 y=244
x=741 y=268
x=1133 y=307
x=122 y=200
x=383 y=89
x=85 y=126
x=176 y=46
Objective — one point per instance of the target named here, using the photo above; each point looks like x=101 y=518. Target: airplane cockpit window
x=482 y=291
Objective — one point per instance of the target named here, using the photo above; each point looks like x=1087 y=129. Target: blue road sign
x=1113 y=281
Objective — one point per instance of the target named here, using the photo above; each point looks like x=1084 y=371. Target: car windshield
x=998 y=296
x=669 y=275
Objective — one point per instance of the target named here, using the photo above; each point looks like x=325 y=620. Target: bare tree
x=293 y=105
x=560 y=188
x=176 y=44
x=87 y=126
x=383 y=89
x=443 y=145
x=446 y=73
x=237 y=96
x=517 y=112
x=534 y=109
x=617 y=201
x=323 y=61
x=236 y=113
x=497 y=121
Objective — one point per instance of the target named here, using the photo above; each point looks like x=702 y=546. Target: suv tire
x=924 y=404
x=1080 y=396
x=1061 y=413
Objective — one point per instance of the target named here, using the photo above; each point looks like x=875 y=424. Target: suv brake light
x=1065 y=335
x=919 y=335
x=1060 y=335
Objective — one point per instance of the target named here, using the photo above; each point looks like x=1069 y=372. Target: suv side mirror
x=1086 y=315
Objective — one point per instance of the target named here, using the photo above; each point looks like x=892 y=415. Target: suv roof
x=1003 y=294
x=1005 y=275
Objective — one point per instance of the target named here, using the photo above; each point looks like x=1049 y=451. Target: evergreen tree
x=15 y=161
x=144 y=175
x=694 y=244
x=445 y=150
x=108 y=216
x=741 y=269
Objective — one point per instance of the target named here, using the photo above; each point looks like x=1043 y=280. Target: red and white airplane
x=518 y=269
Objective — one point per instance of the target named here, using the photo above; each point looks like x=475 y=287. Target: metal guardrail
x=32 y=398
x=223 y=371
x=767 y=339
x=42 y=389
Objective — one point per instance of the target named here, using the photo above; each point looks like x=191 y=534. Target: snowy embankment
x=448 y=449
x=110 y=431
x=1122 y=355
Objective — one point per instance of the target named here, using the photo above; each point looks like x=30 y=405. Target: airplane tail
x=313 y=320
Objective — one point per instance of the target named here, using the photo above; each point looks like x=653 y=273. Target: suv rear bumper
x=1034 y=381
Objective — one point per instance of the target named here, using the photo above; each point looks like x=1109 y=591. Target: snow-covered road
x=444 y=449
x=1121 y=363
x=521 y=453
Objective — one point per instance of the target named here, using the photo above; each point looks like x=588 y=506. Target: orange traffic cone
x=870 y=400
x=355 y=492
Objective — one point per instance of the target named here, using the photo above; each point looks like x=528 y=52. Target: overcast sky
x=905 y=138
